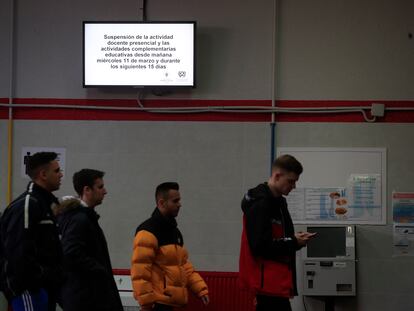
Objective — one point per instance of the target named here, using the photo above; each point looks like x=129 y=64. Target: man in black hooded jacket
x=89 y=283
x=269 y=243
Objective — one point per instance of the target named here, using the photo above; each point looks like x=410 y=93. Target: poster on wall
x=359 y=201
x=315 y=203
x=28 y=151
x=363 y=194
x=403 y=219
x=339 y=186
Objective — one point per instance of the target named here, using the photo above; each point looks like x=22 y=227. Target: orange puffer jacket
x=161 y=271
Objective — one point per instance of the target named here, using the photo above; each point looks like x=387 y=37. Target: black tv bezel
x=169 y=86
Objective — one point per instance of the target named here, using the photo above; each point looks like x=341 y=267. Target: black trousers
x=161 y=307
x=271 y=303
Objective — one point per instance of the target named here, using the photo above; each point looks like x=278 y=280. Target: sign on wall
x=339 y=186
x=403 y=219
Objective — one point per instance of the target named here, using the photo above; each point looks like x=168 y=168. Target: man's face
x=171 y=205
x=97 y=193
x=52 y=176
x=284 y=182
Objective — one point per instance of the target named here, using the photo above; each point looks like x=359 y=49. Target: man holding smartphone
x=269 y=243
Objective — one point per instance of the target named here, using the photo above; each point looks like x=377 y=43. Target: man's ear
x=277 y=174
x=161 y=201
x=42 y=174
x=86 y=189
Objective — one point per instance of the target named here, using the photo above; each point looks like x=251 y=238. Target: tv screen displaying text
x=139 y=54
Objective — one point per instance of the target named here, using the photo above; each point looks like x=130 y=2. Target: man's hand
x=205 y=299
x=304 y=237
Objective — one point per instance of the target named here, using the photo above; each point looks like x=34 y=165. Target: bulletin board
x=339 y=186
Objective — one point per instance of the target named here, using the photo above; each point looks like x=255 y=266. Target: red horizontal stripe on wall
x=80 y=114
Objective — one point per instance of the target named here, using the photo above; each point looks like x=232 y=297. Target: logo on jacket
x=276 y=221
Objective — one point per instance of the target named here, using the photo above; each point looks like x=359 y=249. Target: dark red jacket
x=268 y=245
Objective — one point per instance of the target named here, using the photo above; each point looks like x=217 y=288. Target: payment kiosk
x=329 y=262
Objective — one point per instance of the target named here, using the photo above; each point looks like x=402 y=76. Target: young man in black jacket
x=31 y=271
x=89 y=284
x=269 y=243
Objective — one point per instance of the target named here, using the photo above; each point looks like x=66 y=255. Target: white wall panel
x=213 y=163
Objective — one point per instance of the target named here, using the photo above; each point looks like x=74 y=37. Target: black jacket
x=261 y=209
x=164 y=228
x=32 y=255
x=89 y=282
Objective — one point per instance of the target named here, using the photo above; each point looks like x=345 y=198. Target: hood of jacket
x=71 y=205
x=260 y=192
x=67 y=204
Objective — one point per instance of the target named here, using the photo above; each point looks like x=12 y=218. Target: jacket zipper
x=283 y=222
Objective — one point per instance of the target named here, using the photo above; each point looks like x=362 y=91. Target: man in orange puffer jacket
x=161 y=271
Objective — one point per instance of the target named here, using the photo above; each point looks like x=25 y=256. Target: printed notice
x=359 y=202
x=325 y=204
x=317 y=204
x=403 y=218
x=364 y=195
x=339 y=185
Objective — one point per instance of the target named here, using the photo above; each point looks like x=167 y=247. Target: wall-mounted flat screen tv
x=139 y=54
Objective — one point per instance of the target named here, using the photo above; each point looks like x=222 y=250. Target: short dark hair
x=288 y=163
x=163 y=189
x=38 y=161
x=85 y=177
